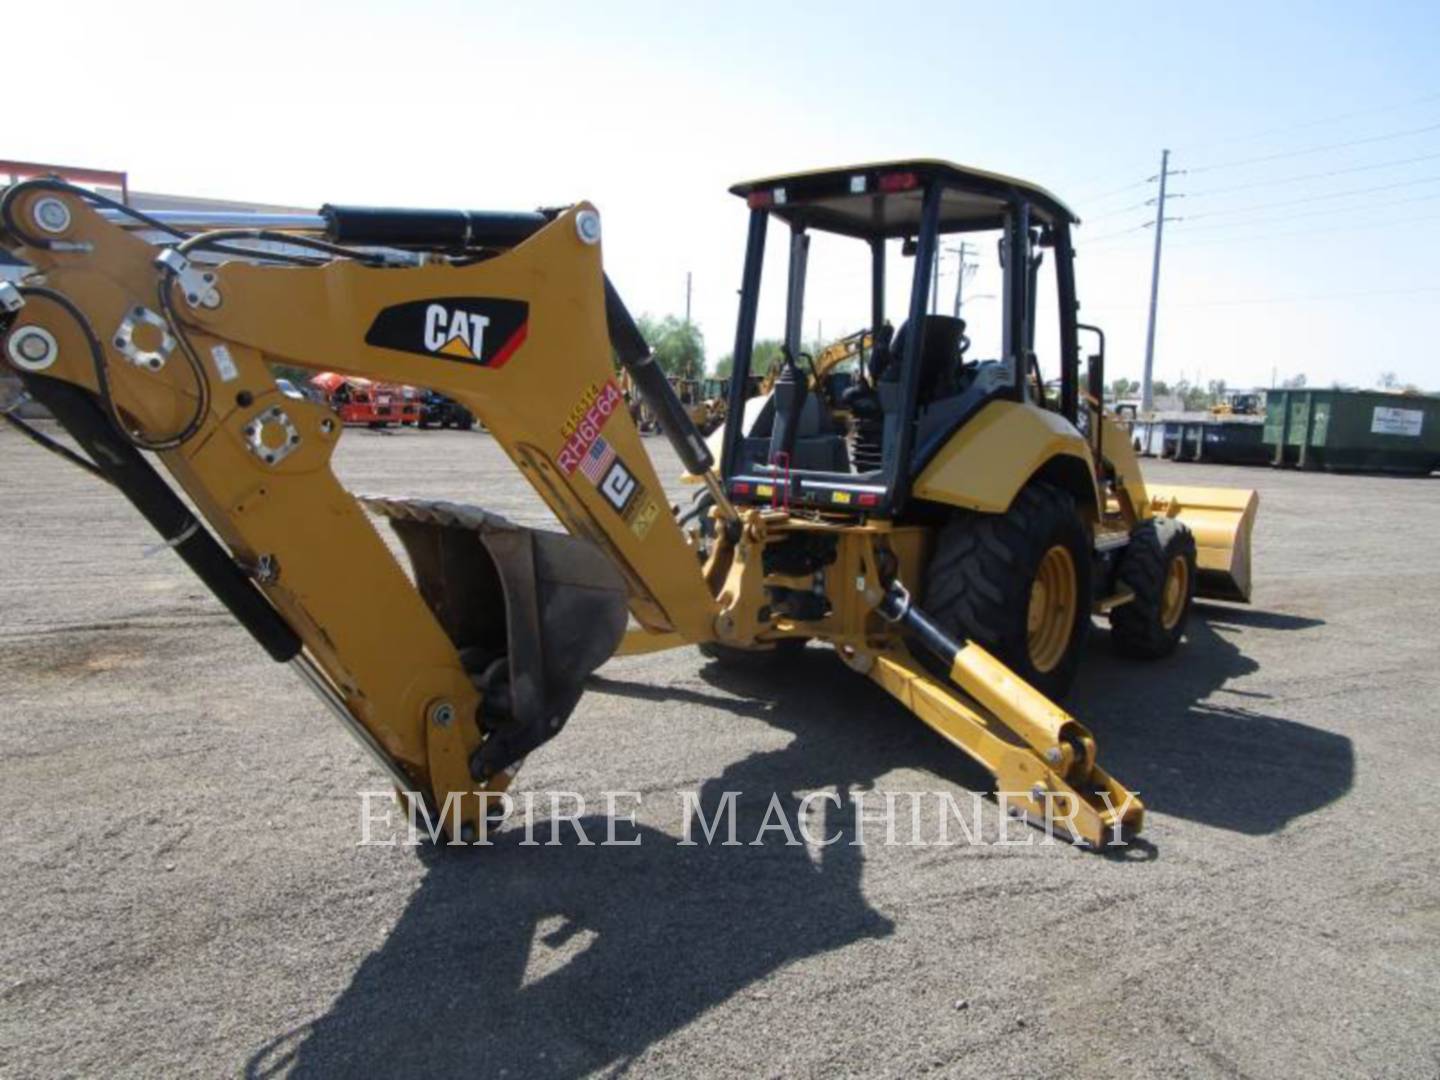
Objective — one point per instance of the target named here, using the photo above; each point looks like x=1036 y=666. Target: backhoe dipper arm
x=449 y=680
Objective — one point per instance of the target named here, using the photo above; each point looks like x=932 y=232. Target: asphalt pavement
x=183 y=892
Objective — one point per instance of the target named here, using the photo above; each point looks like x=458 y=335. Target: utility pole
x=687 y=297
x=1147 y=392
x=962 y=253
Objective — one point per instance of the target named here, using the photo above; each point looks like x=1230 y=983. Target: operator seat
x=939 y=356
x=816 y=443
x=877 y=408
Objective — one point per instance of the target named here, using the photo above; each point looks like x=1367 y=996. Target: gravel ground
x=183 y=892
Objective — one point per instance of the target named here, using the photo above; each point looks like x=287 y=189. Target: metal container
x=1221 y=442
x=1147 y=437
x=1354 y=431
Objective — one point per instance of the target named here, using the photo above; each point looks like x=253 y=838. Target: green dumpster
x=1353 y=430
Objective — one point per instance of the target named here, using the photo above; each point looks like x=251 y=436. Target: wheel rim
x=1177 y=588
x=1051 y=618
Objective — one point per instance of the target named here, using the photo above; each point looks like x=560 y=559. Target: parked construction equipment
x=365 y=402
x=942 y=524
x=700 y=407
x=439 y=411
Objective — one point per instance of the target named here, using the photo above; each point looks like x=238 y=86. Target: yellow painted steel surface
x=1222 y=520
x=1053 y=600
x=1050 y=775
x=338 y=586
x=987 y=462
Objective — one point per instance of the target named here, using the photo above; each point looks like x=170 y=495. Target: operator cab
x=847 y=427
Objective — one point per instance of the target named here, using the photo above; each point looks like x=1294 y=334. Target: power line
x=1114 y=235
x=1322 y=120
x=1114 y=191
x=1327 y=230
x=1316 y=149
x=1328 y=212
x=1185 y=244
x=1126 y=209
x=1315 y=213
x=1088 y=196
x=1311 y=176
x=1297 y=298
x=1315 y=198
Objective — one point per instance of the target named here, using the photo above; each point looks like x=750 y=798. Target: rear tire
x=1159 y=568
x=1017 y=583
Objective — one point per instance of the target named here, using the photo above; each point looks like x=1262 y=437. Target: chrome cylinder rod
x=227 y=219
x=311 y=675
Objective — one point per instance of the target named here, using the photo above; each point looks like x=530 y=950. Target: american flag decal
x=597 y=460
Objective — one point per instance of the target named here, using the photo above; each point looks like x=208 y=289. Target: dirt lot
x=183 y=892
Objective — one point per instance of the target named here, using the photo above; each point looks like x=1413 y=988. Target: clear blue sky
x=651 y=110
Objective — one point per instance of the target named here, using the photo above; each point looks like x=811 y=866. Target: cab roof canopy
x=883 y=200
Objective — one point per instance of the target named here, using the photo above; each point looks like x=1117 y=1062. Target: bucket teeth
x=435 y=512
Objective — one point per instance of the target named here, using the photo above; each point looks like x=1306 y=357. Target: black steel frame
x=893 y=485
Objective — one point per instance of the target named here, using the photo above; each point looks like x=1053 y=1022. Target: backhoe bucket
x=532 y=613
x=1221 y=519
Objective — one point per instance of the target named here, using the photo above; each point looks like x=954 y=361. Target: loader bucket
x=532 y=614
x=1221 y=519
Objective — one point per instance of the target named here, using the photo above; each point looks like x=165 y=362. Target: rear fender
x=1000 y=450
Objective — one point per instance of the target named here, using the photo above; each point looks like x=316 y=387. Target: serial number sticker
x=586 y=420
x=224 y=363
x=589 y=453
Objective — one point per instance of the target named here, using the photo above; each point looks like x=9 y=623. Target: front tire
x=1018 y=584
x=1158 y=566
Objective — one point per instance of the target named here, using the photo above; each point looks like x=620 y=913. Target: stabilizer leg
x=1043 y=760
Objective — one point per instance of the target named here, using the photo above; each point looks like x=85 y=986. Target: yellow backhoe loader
x=698 y=407
x=945 y=527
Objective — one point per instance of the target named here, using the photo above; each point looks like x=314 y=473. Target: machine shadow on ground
x=1192 y=746
x=666 y=932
